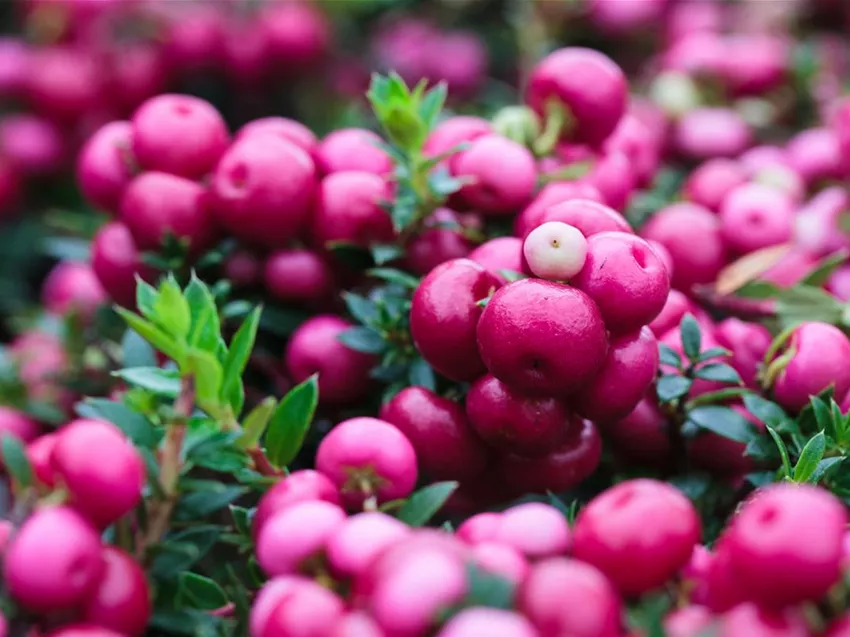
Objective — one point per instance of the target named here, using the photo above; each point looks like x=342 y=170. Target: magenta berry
x=749 y=619
x=178 y=134
x=315 y=348
x=307 y=609
x=352 y=149
x=755 y=216
x=588 y=216
x=555 y=251
x=121 y=601
x=263 y=190
x=268 y=597
x=549 y=196
x=501 y=175
x=676 y=306
x=441 y=240
x=349 y=210
x=32 y=145
x=614 y=177
x=40 y=456
x=528 y=324
x=102 y=470
x=287 y=129
x=299 y=276
x=487 y=621
x=438 y=429
x=83 y=630
x=513 y=422
x=54 y=561
x=534 y=529
x=816 y=155
x=500 y=559
x=501 y=253
x=292 y=539
x=723 y=456
x=711 y=132
x=17 y=424
x=689 y=621
x=444 y=315
x=453 y=131
x=565 y=77
x=365 y=458
x=305 y=485
x=105 y=166
x=242 y=269
x=116 y=260
x=747 y=342
x=596 y=609
x=360 y=540
x=709 y=183
x=72 y=286
x=628 y=372
x=156 y=204
x=356 y=624
x=639 y=533
x=641 y=437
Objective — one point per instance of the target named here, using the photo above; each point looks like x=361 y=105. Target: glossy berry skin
x=709 y=132
x=565 y=77
x=625 y=278
x=755 y=216
x=349 y=210
x=453 y=131
x=305 y=485
x=558 y=471
x=352 y=149
x=72 y=286
x=40 y=456
x=102 y=470
x=444 y=315
x=287 y=129
x=292 y=539
x=748 y=343
x=179 y=135
x=555 y=251
x=487 y=621
x=121 y=601
x=116 y=260
x=315 y=348
x=54 y=561
x=263 y=190
x=298 y=276
x=105 y=166
x=502 y=175
x=675 y=308
x=360 y=540
x=516 y=423
x=156 y=204
x=445 y=445
x=368 y=450
x=820 y=355
x=268 y=597
x=440 y=240
x=307 y=609
x=547 y=198
x=712 y=180
x=534 y=529
x=501 y=253
x=528 y=325
x=589 y=217
x=641 y=437
x=781 y=558
x=628 y=372
x=356 y=624
x=597 y=608
x=500 y=559
x=639 y=533
x=816 y=155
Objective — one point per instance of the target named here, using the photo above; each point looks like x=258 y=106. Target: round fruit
x=555 y=251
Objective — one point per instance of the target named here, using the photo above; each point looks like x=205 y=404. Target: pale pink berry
x=555 y=251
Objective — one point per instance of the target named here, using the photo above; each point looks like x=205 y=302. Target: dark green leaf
x=384 y=253
x=236 y=309
x=764 y=410
x=823 y=467
x=183 y=549
x=242 y=519
x=759 y=290
x=362 y=309
x=487 y=589
x=802 y=303
x=162 y=382
x=809 y=458
x=200 y=504
x=404 y=212
x=695 y=486
x=719 y=372
x=823 y=416
x=761 y=449
x=255 y=423
x=691 y=337
x=282 y=321
x=670 y=387
x=290 y=422
x=15 y=460
x=421 y=374
x=783 y=451
x=363 y=339
x=424 y=504
x=398 y=277
x=237 y=359
x=201 y=593
x=712 y=353
x=761 y=479
x=134 y=425
x=668 y=356
x=187 y=622
x=819 y=276
x=136 y=351
x=353 y=256
x=723 y=421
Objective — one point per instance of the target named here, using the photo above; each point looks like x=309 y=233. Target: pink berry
x=17 y=424
x=675 y=308
x=479 y=528
x=263 y=190
x=156 y=204
x=596 y=608
x=444 y=314
x=628 y=372
x=356 y=624
x=748 y=343
x=816 y=154
x=689 y=621
x=817 y=227
x=692 y=235
x=555 y=251
x=709 y=132
x=33 y=146
x=299 y=35
x=306 y=609
x=526 y=327
x=818 y=355
x=116 y=261
x=54 y=561
x=454 y=131
x=634 y=139
x=501 y=253
x=501 y=560
x=179 y=134
x=516 y=423
x=712 y=180
x=754 y=216
x=242 y=269
x=750 y=620
x=549 y=196
x=304 y=485
x=292 y=539
x=105 y=166
x=367 y=457
x=287 y=129
x=360 y=540
x=352 y=149
x=83 y=630
x=299 y=276
x=641 y=437
x=840 y=627
x=121 y=601
x=613 y=176
x=487 y=621
x=315 y=348
x=350 y=210
x=72 y=286
x=501 y=174
x=268 y=597
x=438 y=429
x=566 y=76
x=535 y=529
x=639 y=533
x=440 y=240
x=63 y=82
x=102 y=470
x=40 y=456
x=589 y=217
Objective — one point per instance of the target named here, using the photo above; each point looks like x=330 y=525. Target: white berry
x=555 y=251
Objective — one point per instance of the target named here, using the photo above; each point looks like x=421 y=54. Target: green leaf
x=668 y=356
x=809 y=458
x=723 y=421
x=208 y=375
x=823 y=467
x=487 y=589
x=384 y=253
x=821 y=273
x=511 y=276
x=391 y=275
x=404 y=211
x=67 y=248
x=801 y=303
x=146 y=296
x=719 y=372
x=761 y=479
x=766 y=411
x=136 y=351
x=421 y=374
x=759 y=290
x=202 y=503
x=171 y=310
x=195 y=591
x=711 y=353
x=823 y=416
x=242 y=519
x=424 y=504
x=237 y=359
x=691 y=336
x=290 y=422
x=442 y=183
x=783 y=451
x=153 y=335
x=162 y=382
x=15 y=460
x=255 y=423
x=362 y=309
x=432 y=104
x=671 y=386
x=363 y=339
x=205 y=333
x=134 y=425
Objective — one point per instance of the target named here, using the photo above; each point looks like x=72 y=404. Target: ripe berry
x=437 y=427
x=816 y=155
x=444 y=315
x=356 y=624
x=350 y=210
x=500 y=559
x=352 y=149
x=755 y=216
x=675 y=308
x=116 y=261
x=549 y=197
x=748 y=343
x=32 y=145
x=641 y=437
x=528 y=325
x=555 y=251
x=17 y=424
x=440 y=240
x=40 y=456
x=487 y=621
x=105 y=166
x=178 y=134
x=102 y=470
x=287 y=129
x=534 y=529
x=306 y=609
x=709 y=132
x=588 y=216
x=83 y=630
x=304 y=485
x=712 y=180
x=481 y=527
x=367 y=457
x=750 y=620
x=501 y=253
x=72 y=286
x=454 y=131
x=299 y=276
x=121 y=600
x=361 y=538
x=54 y=561
x=639 y=533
